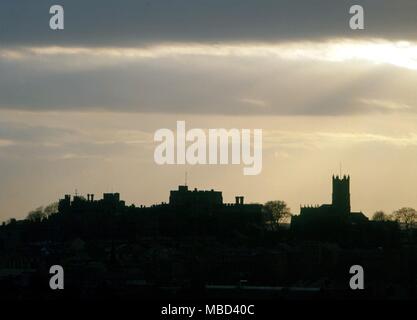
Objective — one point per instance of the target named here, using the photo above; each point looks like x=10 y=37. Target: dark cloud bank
x=197 y=85
x=131 y=22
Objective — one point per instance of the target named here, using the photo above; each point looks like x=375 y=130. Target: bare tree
x=406 y=216
x=36 y=215
x=40 y=214
x=50 y=209
x=380 y=216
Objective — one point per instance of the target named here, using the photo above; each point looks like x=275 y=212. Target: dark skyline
x=79 y=107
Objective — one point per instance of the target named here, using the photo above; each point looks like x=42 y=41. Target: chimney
x=239 y=200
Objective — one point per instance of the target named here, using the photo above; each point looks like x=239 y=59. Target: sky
x=79 y=106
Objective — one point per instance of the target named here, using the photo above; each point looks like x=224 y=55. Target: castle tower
x=341 y=194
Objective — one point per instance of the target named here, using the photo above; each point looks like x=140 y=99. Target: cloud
x=4 y=143
x=386 y=105
x=201 y=79
x=16 y=132
x=378 y=51
x=133 y=22
x=298 y=140
x=209 y=57
x=20 y=140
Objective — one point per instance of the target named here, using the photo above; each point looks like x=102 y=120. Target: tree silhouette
x=380 y=216
x=276 y=212
x=41 y=213
x=36 y=215
x=50 y=209
x=406 y=216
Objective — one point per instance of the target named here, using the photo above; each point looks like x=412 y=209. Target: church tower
x=341 y=194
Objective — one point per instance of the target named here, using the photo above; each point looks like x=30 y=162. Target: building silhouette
x=341 y=194
x=188 y=212
x=329 y=218
x=197 y=245
x=185 y=197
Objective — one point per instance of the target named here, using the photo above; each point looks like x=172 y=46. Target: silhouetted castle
x=187 y=212
x=329 y=216
x=183 y=196
x=110 y=200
